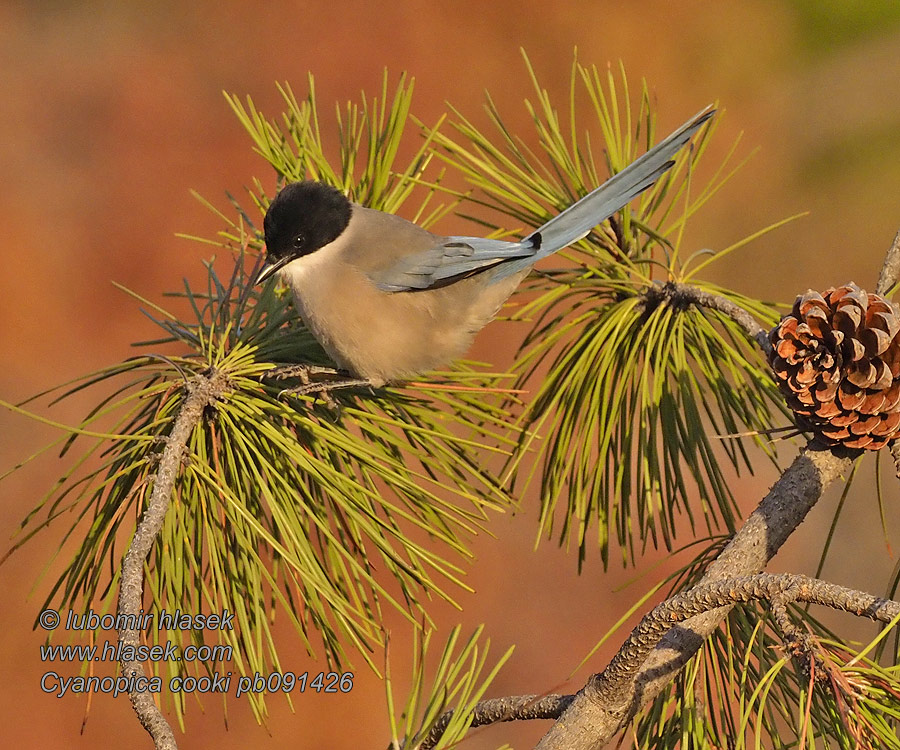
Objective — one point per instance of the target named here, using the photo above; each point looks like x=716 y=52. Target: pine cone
x=836 y=358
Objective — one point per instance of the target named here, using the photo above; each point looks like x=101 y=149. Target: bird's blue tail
x=602 y=202
x=455 y=257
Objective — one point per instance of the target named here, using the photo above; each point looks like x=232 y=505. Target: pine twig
x=890 y=270
x=608 y=685
x=618 y=678
x=510 y=708
x=202 y=391
x=589 y=723
x=685 y=294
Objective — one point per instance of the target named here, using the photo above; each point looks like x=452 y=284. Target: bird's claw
x=299 y=371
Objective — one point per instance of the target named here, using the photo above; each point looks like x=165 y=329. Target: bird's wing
x=451 y=258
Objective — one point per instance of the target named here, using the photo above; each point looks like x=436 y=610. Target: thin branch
x=511 y=708
x=890 y=270
x=608 y=686
x=790 y=633
x=202 y=390
x=615 y=681
x=588 y=723
x=895 y=454
x=685 y=294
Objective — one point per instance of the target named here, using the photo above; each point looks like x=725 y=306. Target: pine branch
x=614 y=688
x=890 y=270
x=202 y=391
x=617 y=679
x=509 y=708
x=590 y=723
x=890 y=274
x=684 y=294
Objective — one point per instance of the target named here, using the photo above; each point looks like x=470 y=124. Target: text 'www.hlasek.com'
x=215 y=658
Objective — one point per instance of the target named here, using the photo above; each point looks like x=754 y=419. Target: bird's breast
x=384 y=336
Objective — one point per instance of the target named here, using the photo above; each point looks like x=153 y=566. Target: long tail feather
x=602 y=202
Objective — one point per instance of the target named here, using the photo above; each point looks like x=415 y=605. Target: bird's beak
x=270 y=267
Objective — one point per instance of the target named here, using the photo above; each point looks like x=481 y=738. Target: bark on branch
x=617 y=679
x=890 y=270
x=589 y=723
x=512 y=708
x=202 y=390
x=685 y=294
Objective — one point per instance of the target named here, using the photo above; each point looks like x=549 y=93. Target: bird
x=389 y=300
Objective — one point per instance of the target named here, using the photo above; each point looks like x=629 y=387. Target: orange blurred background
x=112 y=111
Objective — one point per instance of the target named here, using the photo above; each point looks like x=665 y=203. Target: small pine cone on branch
x=836 y=359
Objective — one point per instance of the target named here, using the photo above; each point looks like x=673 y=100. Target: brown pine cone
x=836 y=358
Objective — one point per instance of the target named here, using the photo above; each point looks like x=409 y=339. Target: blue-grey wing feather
x=450 y=258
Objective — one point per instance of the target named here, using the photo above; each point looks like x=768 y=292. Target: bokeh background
x=111 y=111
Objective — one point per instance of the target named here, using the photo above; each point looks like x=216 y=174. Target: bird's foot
x=300 y=371
x=324 y=387
x=323 y=390
x=320 y=388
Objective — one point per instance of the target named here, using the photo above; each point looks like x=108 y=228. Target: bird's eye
x=299 y=241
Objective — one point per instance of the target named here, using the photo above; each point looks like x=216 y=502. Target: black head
x=302 y=218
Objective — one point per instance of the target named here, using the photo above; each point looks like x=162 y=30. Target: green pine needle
x=459 y=681
x=284 y=508
x=627 y=399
